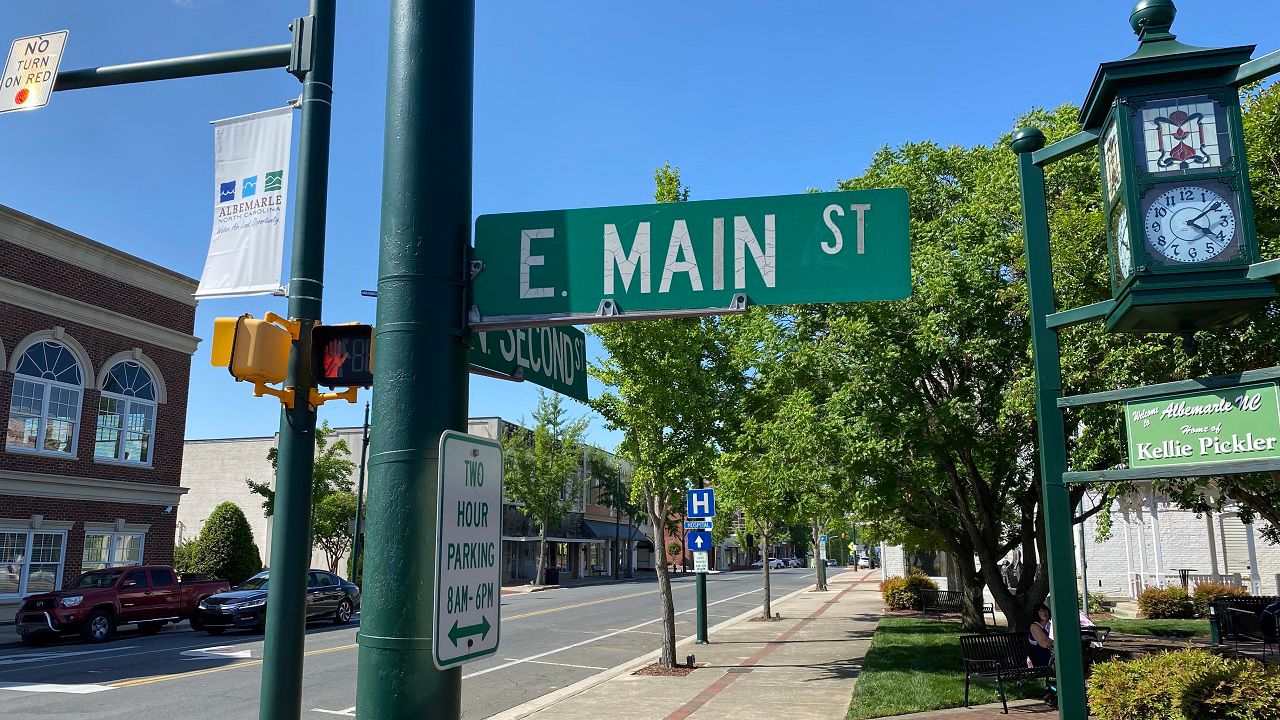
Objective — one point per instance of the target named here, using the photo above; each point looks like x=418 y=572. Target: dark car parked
x=245 y=606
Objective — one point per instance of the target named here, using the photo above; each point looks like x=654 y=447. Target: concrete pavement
x=801 y=668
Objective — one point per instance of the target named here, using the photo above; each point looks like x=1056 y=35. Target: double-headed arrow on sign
x=481 y=628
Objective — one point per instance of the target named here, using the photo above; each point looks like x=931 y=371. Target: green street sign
x=1240 y=423
x=553 y=357
x=705 y=257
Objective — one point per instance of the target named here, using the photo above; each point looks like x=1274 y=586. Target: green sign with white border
x=1228 y=425
x=553 y=357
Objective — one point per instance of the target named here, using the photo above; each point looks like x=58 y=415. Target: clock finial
x=1151 y=19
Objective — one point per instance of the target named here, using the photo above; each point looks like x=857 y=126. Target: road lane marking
x=349 y=712
x=584 y=667
x=55 y=655
x=206 y=671
x=578 y=605
x=217 y=652
x=78 y=689
x=588 y=641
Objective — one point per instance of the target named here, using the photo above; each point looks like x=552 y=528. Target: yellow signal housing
x=224 y=337
x=259 y=351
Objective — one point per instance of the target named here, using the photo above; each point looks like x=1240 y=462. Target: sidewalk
x=801 y=668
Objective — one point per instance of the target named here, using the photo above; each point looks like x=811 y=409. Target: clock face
x=1190 y=224
x=1124 y=253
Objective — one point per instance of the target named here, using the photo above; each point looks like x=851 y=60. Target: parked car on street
x=774 y=564
x=794 y=563
x=867 y=562
x=831 y=562
x=328 y=597
x=97 y=602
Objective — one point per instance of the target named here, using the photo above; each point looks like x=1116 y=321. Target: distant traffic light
x=255 y=351
x=342 y=355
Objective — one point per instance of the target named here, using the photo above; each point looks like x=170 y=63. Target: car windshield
x=97 y=579
x=257 y=582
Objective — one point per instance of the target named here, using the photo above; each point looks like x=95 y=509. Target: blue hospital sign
x=700 y=503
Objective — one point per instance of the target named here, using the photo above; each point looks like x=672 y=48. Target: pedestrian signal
x=342 y=355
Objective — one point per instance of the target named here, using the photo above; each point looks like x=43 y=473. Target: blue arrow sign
x=698 y=541
x=700 y=503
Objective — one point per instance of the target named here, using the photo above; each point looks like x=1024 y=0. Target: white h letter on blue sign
x=700 y=503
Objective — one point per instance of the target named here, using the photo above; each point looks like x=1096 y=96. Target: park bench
x=949 y=601
x=999 y=657
x=1238 y=622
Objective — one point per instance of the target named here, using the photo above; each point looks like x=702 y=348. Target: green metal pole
x=281 y=694
x=421 y=371
x=1068 y=654
x=215 y=63
x=701 y=585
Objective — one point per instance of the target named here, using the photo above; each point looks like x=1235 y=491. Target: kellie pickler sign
x=1240 y=423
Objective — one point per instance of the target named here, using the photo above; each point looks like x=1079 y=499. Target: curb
x=525 y=709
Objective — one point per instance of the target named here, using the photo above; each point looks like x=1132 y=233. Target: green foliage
x=1169 y=603
x=1095 y=603
x=331 y=523
x=673 y=551
x=905 y=593
x=542 y=466
x=1184 y=685
x=1160 y=628
x=184 y=557
x=332 y=473
x=226 y=548
x=355 y=567
x=1207 y=592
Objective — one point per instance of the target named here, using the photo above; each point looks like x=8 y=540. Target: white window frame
x=112 y=536
x=25 y=574
x=45 y=385
x=126 y=402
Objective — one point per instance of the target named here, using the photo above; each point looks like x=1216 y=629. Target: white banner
x=251 y=185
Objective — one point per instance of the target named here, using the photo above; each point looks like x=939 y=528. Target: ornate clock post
x=1175 y=182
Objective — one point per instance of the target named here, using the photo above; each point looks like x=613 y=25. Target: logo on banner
x=254 y=209
x=227 y=191
x=249 y=186
x=274 y=181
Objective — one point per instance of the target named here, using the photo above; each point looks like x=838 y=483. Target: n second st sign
x=811 y=248
x=553 y=357
x=468 y=579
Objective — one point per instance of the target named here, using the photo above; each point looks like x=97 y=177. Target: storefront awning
x=608 y=531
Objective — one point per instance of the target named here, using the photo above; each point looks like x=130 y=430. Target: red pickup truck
x=98 y=601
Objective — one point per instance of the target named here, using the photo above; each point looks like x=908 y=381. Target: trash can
x=1215 y=634
x=551 y=576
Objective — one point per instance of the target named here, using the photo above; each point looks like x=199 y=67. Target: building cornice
x=43 y=301
x=61 y=244
x=64 y=487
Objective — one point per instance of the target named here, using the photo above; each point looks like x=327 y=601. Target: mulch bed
x=658 y=670
x=761 y=618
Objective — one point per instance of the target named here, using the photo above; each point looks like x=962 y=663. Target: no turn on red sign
x=31 y=71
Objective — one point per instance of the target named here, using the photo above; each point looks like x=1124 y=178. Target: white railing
x=1171 y=578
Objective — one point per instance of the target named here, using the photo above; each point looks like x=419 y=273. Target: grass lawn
x=914 y=665
x=1158 y=628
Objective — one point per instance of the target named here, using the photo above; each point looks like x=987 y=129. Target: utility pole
x=421 y=372
x=356 y=563
x=281 y=695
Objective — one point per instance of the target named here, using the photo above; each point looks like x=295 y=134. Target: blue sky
x=577 y=102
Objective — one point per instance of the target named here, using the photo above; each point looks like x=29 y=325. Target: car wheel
x=342 y=615
x=215 y=631
x=34 y=640
x=99 y=627
x=260 y=628
x=196 y=623
x=150 y=628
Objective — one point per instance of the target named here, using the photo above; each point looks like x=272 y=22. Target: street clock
x=1175 y=183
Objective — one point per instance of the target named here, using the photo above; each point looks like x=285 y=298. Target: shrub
x=903 y=593
x=184 y=557
x=1095 y=603
x=1184 y=685
x=1207 y=592
x=226 y=548
x=1171 y=603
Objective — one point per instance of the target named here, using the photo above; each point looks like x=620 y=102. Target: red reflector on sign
x=22 y=95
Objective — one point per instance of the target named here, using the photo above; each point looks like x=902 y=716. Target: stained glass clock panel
x=1182 y=135
x=1112 y=167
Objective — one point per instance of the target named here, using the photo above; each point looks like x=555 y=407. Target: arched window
x=45 y=410
x=126 y=414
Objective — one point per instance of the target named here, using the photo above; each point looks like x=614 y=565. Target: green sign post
x=704 y=257
x=553 y=357
x=1240 y=423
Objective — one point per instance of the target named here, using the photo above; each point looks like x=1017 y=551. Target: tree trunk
x=658 y=512
x=767 y=610
x=820 y=567
x=971 y=617
x=540 y=576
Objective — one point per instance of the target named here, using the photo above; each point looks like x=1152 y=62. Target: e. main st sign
x=558 y=266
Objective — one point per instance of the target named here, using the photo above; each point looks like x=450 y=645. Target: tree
x=613 y=491
x=664 y=380
x=226 y=548
x=332 y=473
x=332 y=519
x=542 y=467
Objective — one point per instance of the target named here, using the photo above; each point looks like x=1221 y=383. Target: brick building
x=95 y=358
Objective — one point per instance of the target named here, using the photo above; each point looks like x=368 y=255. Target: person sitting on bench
x=1041 y=652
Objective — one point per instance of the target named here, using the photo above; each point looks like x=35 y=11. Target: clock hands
x=1216 y=205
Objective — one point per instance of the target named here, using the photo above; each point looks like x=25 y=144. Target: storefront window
x=30 y=561
x=104 y=550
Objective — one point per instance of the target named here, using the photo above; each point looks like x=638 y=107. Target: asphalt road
x=549 y=640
